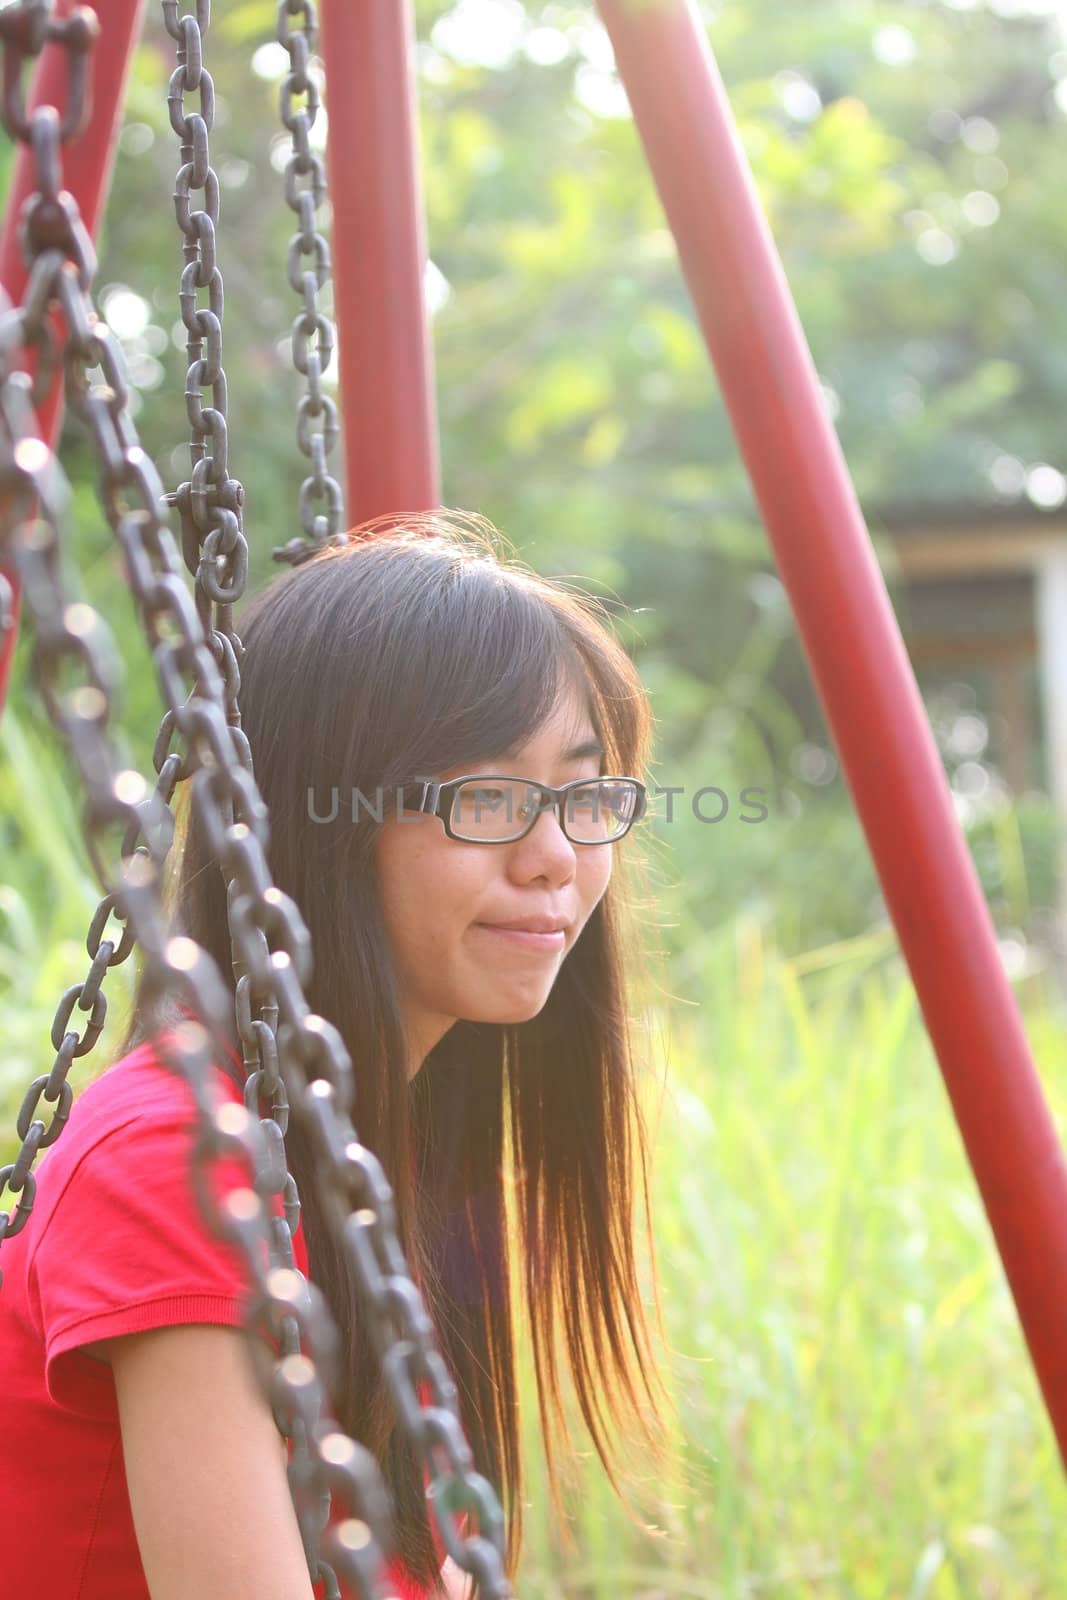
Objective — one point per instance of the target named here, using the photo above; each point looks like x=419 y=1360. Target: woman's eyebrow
x=590 y=747
x=578 y=752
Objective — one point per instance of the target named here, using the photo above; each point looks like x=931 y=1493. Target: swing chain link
x=210 y=509
x=351 y=1183
x=210 y=504
x=204 y=547
x=313 y=332
x=104 y=408
x=71 y=635
x=25 y=29
x=49 y=221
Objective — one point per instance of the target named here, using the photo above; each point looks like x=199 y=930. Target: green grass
x=856 y=1413
x=47 y=900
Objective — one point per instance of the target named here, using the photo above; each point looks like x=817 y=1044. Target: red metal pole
x=857 y=657
x=379 y=258
x=87 y=164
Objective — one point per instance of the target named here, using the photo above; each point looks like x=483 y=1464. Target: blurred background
x=857 y=1414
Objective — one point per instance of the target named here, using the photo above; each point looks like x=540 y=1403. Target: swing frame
x=813 y=520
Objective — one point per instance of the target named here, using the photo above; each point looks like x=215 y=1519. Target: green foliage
x=47 y=899
x=857 y=1415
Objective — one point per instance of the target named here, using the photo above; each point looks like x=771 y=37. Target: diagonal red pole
x=857 y=657
x=379 y=258
x=87 y=162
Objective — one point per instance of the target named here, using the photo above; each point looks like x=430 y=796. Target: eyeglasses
x=491 y=809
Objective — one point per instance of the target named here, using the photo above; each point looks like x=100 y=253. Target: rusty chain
x=313 y=332
x=215 y=550
x=356 y=1194
x=52 y=218
x=210 y=503
x=71 y=637
x=104 y=410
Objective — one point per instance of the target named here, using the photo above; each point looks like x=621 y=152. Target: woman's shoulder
x=120 y=1240
x=134 y=1103
x=140 y=1087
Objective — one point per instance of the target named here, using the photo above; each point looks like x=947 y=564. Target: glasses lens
x=602 y=810
x=492 y=809
x=497 y=809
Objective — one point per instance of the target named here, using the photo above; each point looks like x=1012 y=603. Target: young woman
x=469 y=937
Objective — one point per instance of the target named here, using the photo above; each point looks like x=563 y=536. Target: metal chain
x=210 y=506
x=52 y=219
x=313 y=332
x=71 y=636
x=356 y=1195
x=104 y=424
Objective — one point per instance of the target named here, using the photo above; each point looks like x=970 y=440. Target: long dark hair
x=417 y=645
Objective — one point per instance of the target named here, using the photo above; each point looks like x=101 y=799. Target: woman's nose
x=546 y=847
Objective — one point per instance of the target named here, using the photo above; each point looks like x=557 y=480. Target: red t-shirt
x=116 y=1244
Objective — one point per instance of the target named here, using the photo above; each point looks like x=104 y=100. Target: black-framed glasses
x=490 y=808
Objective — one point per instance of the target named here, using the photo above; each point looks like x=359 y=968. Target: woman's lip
x=530 y=941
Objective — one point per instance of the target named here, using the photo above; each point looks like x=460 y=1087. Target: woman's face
x=441 y=897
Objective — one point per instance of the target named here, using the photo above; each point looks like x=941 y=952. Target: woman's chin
x=508 y=1012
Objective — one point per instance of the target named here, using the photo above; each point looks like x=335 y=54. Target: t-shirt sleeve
x=126 y=1247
